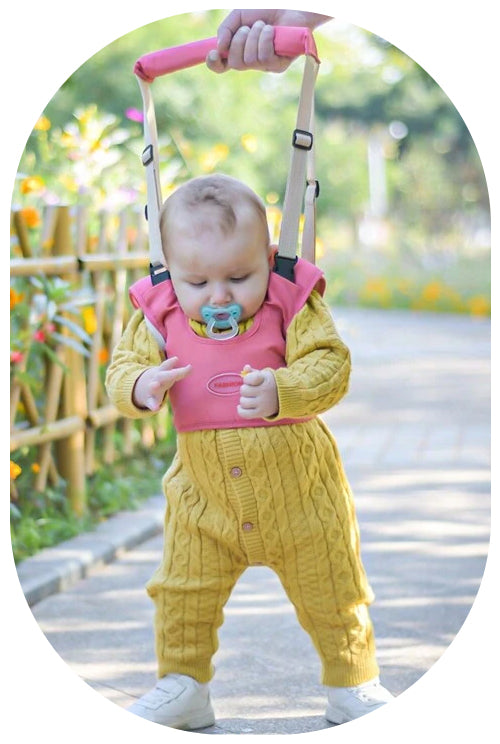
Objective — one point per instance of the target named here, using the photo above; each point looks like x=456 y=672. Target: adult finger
x=252 y=45
x=265 y=50
x=215 y=63
x=235 y=57
x=227 y=29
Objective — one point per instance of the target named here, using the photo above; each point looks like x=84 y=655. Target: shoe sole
x=203 y=719
x=334 y=715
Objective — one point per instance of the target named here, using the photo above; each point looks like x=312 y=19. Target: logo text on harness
x=226 y=383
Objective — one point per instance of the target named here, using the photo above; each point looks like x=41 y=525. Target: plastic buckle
x=302 y=140
x=158 y=273
x=147 y=155
x=284 y=266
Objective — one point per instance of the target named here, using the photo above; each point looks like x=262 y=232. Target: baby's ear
x=273 y=250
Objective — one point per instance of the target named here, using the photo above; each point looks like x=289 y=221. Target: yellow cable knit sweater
x=275 y=496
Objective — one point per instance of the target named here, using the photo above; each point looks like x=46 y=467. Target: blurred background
x=403 y=213
x=403 y=222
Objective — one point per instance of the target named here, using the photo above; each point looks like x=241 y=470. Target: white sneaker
x=347 y=703
x=177 y=701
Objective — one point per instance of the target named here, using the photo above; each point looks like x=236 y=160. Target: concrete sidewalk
x=414 y=435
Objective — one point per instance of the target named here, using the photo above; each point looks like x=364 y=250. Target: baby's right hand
x=150 y=388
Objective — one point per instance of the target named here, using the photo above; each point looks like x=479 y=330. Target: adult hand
x=258 y=394
x=246 y=36
x=150 y=388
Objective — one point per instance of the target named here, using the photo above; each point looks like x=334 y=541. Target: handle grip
x=289 y=41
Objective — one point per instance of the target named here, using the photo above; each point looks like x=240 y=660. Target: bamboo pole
x=63 y=428
x=71 y=451
x=55 y=379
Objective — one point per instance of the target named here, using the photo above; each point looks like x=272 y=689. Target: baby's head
x=216 y=243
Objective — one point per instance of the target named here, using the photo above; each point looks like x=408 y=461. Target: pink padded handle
x=289 y=41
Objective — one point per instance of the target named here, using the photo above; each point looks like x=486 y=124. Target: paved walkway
x=414 y=434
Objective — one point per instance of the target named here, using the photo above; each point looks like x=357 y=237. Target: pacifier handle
x=222 y=335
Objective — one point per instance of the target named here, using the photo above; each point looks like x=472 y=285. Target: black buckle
x=158 y=273
x=147 y=155
x=298 y=137
x=284 y=266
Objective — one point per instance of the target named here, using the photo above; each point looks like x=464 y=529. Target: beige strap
x=302 y=163
x=301 y=170
x=150 y=160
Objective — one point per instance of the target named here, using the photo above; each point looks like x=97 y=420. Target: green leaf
x=77 y=330
x=71 y=342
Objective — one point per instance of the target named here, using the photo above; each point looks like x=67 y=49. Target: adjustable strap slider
x=147 y=155
x=284 y=266
x=302 y=139
x=315 y=183
x=158 y=273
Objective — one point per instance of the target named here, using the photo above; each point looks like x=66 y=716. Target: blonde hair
x=224 y=194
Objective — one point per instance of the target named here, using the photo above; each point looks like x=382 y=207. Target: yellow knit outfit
x=275 y=496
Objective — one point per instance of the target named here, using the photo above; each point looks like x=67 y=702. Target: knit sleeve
x=318 y=363
x=136 y=351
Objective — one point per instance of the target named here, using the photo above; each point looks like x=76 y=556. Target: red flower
x=16 y=357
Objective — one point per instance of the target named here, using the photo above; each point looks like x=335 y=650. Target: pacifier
x=222 y=322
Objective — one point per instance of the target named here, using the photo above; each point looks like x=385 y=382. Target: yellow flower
x=249 y=142
x=68 y=182
x=479 y=305
x=432 y=291
x=15 y=470
x=376 y=290
x=43 y=124
x=68 y=140
x=209 y=160
x=89 y=320
x=31 y=217
x=35 y=467
x=103 y=356
x=31 y=184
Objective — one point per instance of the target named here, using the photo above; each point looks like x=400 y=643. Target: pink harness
x=207 y=398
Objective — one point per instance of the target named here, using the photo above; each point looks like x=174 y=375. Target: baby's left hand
x=258 y=394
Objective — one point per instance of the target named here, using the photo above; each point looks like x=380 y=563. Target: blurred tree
x=241 y=123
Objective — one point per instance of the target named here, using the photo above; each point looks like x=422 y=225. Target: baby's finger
x=246 y=413
x=180 y=372
x=254 y=378
x=248 y=403
x=168 y=376
x=153 y=403
x=249 y=391
x=169 y=363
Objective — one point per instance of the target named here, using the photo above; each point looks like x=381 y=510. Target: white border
x=43 y=43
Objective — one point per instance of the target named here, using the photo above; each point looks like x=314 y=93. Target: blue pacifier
x=222 y=322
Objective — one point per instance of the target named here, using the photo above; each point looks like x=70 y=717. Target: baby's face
x=210 y=268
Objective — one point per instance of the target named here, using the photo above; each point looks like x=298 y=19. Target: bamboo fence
x=74 y=428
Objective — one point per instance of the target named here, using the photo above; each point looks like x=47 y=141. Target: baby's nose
x=220 y=295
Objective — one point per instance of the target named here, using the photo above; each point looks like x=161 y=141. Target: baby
x=247 y=360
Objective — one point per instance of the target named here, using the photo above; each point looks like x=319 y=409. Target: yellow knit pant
x=274 y=496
